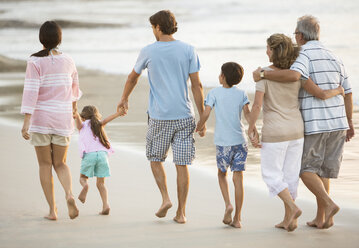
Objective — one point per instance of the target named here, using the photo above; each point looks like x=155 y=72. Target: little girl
x=94 y=149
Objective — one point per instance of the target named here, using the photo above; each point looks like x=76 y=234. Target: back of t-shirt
x=169 y=65
x=228 y=104
x=282 y=120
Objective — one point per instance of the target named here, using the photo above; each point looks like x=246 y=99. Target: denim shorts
x=95 y=164
x=162 y=134
x=231 y=156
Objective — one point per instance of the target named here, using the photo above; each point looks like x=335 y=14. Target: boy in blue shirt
x=231 y=145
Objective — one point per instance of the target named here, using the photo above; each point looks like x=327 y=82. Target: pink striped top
x=88 y=142
x=51 y=85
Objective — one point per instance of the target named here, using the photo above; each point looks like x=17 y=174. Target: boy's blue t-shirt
x=228 y=104
x=169 y=65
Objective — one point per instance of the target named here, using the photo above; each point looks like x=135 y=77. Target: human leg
x=182 y=192
x=59 y=154
x=223 y=185
x=325 y=204
x=160 y=177
x=183 y=155
x=100 y=183
x=44 y=159
x=85 y=187
x=239 y=193
x=292 y=210
x=322 y=156
x=158 y=140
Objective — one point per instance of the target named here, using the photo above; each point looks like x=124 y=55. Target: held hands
x=201 y=129
x=256 y=74
x=254 y=137
x=122 y=107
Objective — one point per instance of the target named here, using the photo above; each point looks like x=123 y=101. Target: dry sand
x=133 y=194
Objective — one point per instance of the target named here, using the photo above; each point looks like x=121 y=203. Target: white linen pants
x=280 y=165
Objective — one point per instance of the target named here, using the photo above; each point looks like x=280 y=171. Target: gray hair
x=309 y=26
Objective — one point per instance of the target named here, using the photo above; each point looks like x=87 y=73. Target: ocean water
x=108 y=35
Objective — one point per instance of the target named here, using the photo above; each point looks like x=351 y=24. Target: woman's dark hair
x=166 y=20
x=91 y=113
x=50 y=36
x=233 y=73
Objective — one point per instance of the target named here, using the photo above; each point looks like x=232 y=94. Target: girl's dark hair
x=50 y=36
x=233 y=73
x=166 y=20
x=91 y=113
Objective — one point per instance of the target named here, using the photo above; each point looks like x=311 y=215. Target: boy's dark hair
x=166 y=20
x=233 y=73
x=50 y=36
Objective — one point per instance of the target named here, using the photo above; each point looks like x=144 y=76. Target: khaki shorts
x=39 y=139
x=323 y=153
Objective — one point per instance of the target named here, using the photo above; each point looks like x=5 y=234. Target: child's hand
x=75 y=114
x=201 y=129
x=254 y=137
x=121 y=111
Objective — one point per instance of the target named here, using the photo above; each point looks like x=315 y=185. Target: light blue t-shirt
x=228 y=104
x=169 y=65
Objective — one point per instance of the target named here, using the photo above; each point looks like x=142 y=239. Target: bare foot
x=329 y=213
x=83 y=193
x=236 y=224
x=292 y=217
x=51 y=216
x=316 y=223
x=181 y=219
x=280 y=225
x=227 y=219
x=163 y=209
x=105 y=211
x=73 y=210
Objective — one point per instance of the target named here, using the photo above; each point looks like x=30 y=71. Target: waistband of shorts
x=85 y=153
x=184 y=119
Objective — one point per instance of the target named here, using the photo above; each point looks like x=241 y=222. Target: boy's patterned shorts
x=231 y=156
x=177 y=133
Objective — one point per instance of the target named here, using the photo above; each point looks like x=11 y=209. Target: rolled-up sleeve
x=301 y=65
x=31 y=88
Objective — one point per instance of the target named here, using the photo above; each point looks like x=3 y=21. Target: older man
x=327 y=123
x=169 y=63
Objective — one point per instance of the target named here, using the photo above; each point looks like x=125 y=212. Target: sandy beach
x=133 y=194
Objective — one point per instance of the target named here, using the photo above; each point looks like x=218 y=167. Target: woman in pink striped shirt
x=51 y=91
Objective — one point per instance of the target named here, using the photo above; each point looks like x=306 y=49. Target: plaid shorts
x=231 y=156
x=177 y=133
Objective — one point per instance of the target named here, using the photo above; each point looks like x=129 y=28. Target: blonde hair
x=284 y=52
x=91 y=113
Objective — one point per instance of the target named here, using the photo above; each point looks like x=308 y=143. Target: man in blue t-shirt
x=169 y=64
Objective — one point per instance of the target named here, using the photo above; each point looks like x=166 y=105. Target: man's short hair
x=309 y=26
x=233 y=73
x=166 y=21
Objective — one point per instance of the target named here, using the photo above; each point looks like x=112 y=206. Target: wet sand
x=133 y=195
